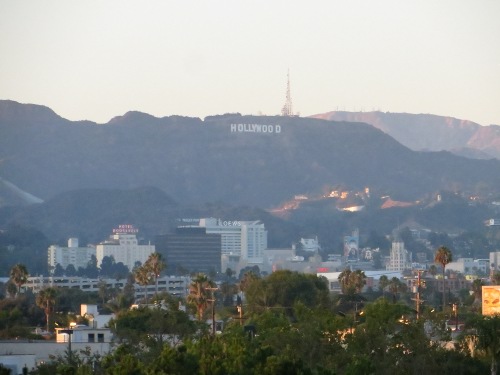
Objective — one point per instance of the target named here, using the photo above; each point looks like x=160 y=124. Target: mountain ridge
x=222 y=158
x=429 y=132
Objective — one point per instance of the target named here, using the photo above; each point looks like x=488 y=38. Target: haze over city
x=96 y=60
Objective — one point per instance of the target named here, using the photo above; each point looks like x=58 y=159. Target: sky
x=97 y=59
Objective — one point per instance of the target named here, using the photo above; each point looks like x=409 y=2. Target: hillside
x=242 y=160
x=429 y=132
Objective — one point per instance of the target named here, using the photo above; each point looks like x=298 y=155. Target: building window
x=91 y=337
x=100 y=337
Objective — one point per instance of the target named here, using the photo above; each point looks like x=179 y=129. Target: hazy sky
x=98 y=59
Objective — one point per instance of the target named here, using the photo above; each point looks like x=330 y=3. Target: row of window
x=100 y=337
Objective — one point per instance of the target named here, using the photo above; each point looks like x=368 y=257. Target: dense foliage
x=290 y=324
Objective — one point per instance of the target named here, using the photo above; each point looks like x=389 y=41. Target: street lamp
x=455 y=311
x=69 y=332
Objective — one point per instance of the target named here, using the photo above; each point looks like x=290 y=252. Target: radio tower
x=287 y=109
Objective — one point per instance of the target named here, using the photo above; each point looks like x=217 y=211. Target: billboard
x=491 y=299
x=351 y=246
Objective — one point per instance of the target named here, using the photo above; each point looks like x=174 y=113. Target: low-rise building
x=469 y=266
x=173 y=285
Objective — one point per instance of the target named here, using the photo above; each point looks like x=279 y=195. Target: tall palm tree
x=46 y=299
x=155 y=265
x=443 y=257
x=19 y=275
x=199 y=294
x=143 y=278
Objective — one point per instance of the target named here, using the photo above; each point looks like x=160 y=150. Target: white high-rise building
x=73 y=254
x=124 y=247
x=400 y=258
x=246 y=239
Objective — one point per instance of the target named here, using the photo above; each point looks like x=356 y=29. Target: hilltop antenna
x=287 y=109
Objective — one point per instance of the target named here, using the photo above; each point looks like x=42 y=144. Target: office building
x=245 y=239
x=191 y=249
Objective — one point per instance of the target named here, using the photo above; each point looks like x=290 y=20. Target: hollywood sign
x=255 y=128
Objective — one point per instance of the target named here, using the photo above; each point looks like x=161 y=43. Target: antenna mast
x=287 y=109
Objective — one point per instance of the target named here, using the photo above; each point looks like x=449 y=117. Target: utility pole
x=213 y=308
x=418 y=301
x=69 y=332
x=240 y=311
x=455 y=311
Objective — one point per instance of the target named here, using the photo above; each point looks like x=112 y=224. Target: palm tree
x=19 y=275
x=155 y=265
x=46 y=299
x=383 y=282
x=443 y=257
x=396 y=286
x=199 y=293
x=142 y=277
x=228 y=290
x=352 y=282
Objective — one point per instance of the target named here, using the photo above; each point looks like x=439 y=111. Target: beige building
x=399 y=258
x=124 y=247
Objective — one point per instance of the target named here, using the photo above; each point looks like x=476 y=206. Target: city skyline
x=97 y=60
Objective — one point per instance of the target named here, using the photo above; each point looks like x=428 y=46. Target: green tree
x=352 y=282
x=19 y=275
x=246 y=279
x=282 y=289
x=199 y=293
x=11 y=289
x=155 y=265
x=103 y=291
x=383 y=283
x=228 y=290
x=487 y=330
x=443 y=256
x=396 y=286
x=495 y=279
x=124 y=360
x=477 y=289
x=46 y=299
x=175 y=361
x=143 y=278
x=70 y=270
x=152 y=326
